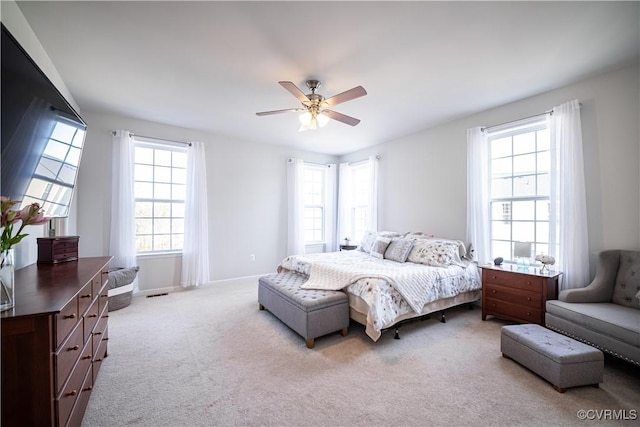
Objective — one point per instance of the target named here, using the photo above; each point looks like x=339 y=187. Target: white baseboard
x=157 y=291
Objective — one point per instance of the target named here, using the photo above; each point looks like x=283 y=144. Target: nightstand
x=348 y=247
x=518 y=294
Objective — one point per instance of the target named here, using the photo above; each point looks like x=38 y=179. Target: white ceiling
x=211 y=66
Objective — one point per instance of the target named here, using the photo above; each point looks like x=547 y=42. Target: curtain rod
x=291 y=159
x=159 y=139
x=550 y=112
x=362 y=161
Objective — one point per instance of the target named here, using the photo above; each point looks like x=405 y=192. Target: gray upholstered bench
x=561 y=360
x=311 y=313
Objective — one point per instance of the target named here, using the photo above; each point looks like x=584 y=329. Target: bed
x=391 y=277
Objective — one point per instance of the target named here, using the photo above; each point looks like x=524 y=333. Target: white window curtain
x=568 y=196
x=295 y=207
x=331 y=241
x=478 y=194
x=345 y=198
x=373 y=193
x=195 y=252
x=122 y=244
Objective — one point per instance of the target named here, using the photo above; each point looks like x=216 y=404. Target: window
x=519 y=204
x=159 y=191
x=313 y=188
x=361 y=181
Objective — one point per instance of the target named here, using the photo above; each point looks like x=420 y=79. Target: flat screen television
x=42 y=135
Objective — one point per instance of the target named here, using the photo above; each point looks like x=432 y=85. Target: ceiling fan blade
x=295 y=92
x=288 y=110
x=348 y=95
x=351 y=121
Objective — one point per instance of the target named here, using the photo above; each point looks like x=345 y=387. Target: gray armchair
x=606 y=313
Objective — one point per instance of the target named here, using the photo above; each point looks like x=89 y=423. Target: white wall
x=27 y=251
x=423 y=176
x=247 y=200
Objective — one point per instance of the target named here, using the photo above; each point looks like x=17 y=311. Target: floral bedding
x=380 y=292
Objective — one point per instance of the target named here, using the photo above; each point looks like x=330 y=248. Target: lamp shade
x=305 y=118
x=322 y=119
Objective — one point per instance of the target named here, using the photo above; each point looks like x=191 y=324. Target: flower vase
x=7 y=281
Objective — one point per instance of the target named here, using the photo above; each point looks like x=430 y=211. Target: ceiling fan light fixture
x=313 y=105
x=305 y=118
x=322 y=119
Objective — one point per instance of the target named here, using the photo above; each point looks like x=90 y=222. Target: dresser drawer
x=67 y=356
x=518 y=312
x=520 y=281
x=99 y=332
x=97 y=282
x=101 y=352
x=73 y=388
x=66 y=320
x=513 y=295
x=90 y=320
x=85 y=298
x=81 y=402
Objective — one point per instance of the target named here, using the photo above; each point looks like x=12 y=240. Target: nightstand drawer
x=514 y=296
x=520 y=281
x=514 y=311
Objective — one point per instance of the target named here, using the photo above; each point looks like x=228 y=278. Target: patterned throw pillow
x=435 y=253
x=399 y=250
x=380 y=246
x=367 y=241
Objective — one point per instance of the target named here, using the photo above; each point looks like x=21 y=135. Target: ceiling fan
x=315 y=112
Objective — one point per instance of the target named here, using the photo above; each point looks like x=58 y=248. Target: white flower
x=546 y=259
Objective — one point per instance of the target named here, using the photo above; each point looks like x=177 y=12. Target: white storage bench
x=561 y=360
x=311 y=313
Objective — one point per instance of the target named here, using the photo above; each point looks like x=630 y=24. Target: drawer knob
x=92 y=315
x=85 y=296
x=87 y=357
x=70 y=316
x=493 y=277
x=88 y=388
x=528 y=298
x=528 y=283
x=105 y=339
x=97 y=333
x=528 y=314
x=74 y=348
x=98 y=360
x=72 y=393
x=105 y=296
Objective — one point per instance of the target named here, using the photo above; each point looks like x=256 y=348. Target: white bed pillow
x=434 y=252
x=379 y=246
x=367 y=241
x=399 y=249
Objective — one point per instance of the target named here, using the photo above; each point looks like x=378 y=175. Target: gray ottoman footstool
x=311 y=313
x=561 y=360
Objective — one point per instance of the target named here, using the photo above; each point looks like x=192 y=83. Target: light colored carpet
x=209 y=357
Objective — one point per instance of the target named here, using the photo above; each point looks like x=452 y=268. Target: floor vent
x=158 y=295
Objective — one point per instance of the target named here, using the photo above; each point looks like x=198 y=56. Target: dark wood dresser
x=517 y=294
x=53 y=342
